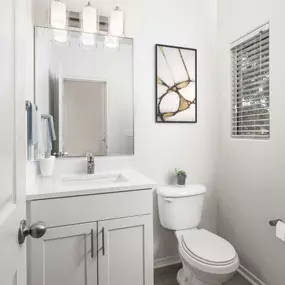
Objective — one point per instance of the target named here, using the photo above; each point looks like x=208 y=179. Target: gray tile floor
x=167 y=276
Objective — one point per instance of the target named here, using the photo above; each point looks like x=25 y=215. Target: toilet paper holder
x=273 y=223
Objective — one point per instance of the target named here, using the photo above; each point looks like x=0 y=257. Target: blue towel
x=32 y=120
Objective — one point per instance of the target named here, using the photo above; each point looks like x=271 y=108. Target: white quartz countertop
x=60 y=186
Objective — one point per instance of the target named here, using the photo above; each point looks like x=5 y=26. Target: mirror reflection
x=88 y=91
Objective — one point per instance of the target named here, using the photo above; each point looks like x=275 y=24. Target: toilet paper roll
x=280 y=230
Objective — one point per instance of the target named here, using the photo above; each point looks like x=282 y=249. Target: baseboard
x=166 y=261
x=249 y=276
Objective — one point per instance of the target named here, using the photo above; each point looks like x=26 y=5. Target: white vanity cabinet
x=126 y=255
x=63 y=256
x=104 y=239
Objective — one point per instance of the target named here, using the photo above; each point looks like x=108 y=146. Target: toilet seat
x=207 y=252
x=208 y=248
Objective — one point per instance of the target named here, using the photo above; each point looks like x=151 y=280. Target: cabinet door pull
x=103 y=241
x=92 y=244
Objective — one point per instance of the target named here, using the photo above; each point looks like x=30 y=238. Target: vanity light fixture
x=89 y=19
x=58 y=14
x=89 y=25
x=116 y=27
x=58 y=21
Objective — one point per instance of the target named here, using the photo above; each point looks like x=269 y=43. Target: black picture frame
x=156 y=85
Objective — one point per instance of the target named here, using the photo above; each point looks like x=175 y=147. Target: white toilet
x=207 y=258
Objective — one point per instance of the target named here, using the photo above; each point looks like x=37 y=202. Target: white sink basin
x=95 y=179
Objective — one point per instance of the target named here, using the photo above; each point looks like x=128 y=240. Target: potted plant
x=181 y=177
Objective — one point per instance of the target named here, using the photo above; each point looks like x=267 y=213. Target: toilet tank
x=180 y=208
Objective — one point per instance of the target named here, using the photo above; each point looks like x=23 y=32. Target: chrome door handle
x=36 y=230
x=92 y=244
x=103 y=241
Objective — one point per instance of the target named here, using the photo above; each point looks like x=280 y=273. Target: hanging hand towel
x=32 y=120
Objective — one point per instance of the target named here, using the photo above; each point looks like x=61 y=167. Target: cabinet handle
x=92 y=244
x=103 y=241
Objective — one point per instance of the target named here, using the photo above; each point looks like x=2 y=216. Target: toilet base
x=185 y=276
x=188 y=280
x=180 y=278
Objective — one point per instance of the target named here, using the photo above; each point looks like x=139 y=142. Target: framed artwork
x=175 y=84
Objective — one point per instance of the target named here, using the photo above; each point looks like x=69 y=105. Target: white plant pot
x=47 y=165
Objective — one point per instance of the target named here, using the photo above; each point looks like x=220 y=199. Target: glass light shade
x=89 y=19
x=112 y=42
x=60 y=36
x=116 y=27
x=58 y=15
x=88 y=39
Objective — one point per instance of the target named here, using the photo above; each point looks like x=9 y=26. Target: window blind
x=250 y=87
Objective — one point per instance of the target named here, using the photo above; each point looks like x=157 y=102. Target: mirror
x=89 y=93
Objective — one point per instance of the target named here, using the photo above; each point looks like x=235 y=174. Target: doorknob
x=36 y=230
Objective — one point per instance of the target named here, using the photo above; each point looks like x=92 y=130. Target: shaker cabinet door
x=64 y=256
x=125 y=251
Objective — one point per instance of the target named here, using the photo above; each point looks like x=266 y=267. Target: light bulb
x=116 y=27
x=111 y=42
x=89 y=19
x=58 y=15
x=88 y=39
x=60 y=36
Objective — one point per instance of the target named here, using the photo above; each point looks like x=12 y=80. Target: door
x=64 y=255
x=13 y=24
x=125 y=253
x=84 y=117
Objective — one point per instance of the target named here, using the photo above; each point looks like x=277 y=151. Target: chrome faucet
x=90 y=163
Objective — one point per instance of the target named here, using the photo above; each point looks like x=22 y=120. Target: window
x=250 y=83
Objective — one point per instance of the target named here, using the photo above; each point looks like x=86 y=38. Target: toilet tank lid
x=178 y=191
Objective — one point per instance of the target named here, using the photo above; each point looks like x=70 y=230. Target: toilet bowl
x=207 y=258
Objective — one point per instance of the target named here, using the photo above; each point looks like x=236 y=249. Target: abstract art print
x=176 y=84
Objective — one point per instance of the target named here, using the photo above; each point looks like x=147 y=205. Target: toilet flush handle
x=170 y=200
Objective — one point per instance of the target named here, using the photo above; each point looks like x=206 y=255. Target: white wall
x=251 y=178
x=159 y=148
